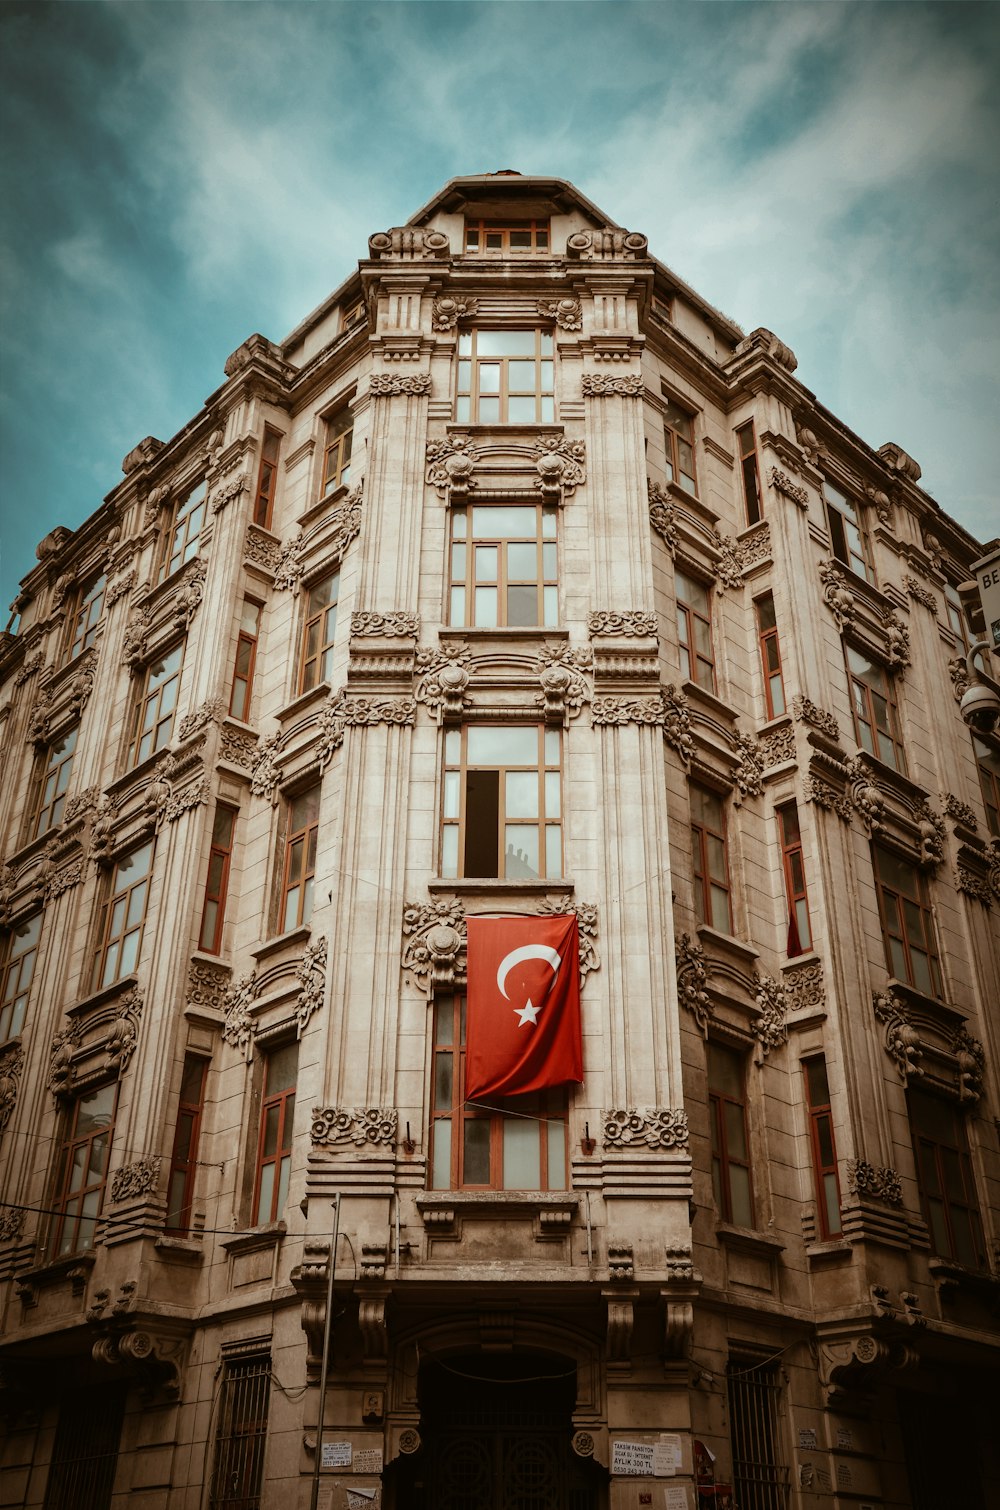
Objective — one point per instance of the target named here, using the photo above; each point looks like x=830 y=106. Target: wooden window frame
x=771 y=666
x=300 y=846
x=338 y=446
x=314 y=667
x=352 y=315
x=466 y=542
x=953 y=1178
x=82 y=621
x=676 y=443
x=50 y=782
x=824 y=1159
x=245 y=661
x=184 y=1152
x=703 y=880
x=469 y=396
x=477 y=232
x=67 y=1195
x=182 y=537
x=122 y=899
x=989 y=780
x=848 y=536
x=753 y=496
x=696 y=666
x=456 y=802
x=149 y=699
x=956 y=616
x=267 y=477
x=796 y=887
x=864 y=711
x=220 y=856
x=547 y=1110
x=281 y=1101
x=17 y=969
x=901 y=913
x=723 y=1159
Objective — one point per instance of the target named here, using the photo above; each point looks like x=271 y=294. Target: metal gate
x=85 y=1453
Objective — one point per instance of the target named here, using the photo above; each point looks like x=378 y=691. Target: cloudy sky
x=178 y=175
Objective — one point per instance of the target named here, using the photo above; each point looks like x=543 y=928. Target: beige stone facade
x=514 y=487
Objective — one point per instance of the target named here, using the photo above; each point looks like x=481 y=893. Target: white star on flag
x=527 y=1013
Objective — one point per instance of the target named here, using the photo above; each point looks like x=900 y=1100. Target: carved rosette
x=567 y=313
x=776 y=747
x=654 y=1126
x=11 y=1066
x=837 y=595
x=804 y=987
x=807 y=712
x=237 y=1030
x=333 y=1126
x=443 y=679
x=561 y=465
x=662 y=515
x=607 y=243
x=748 y=775
x=782 y=483
x=447 y=313
x=586 y=919
x=450 y=464
x=392 y=384
x=605 y=385
x=136 y=1179
x=434 y=936
x=876 y=1182
x=564 y=688
x=628 y=623
x=311 y=976
x=692 y=981
x=902 y=1041
x=264 y=773
x=409 y=243
x=771 y=1028
x=394 y=625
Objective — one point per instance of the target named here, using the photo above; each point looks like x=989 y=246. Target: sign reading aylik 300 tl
x=987 y=573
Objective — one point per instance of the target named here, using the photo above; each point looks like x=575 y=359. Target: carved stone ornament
x=237 y=1030
x=11 y=1065
x=895 y=457
x=210 y=712
x=261 y=549
x=837 y=595
x=102 y=830
x=289 y=570
x=605 y=385
x=654 y=1126
x=777 y=746
x=868 y=801
x=433 y=938
x=264 y=773
x=37 y=732
x=782 y=483
x=610 y=242
x=881 y=504
x=565 y=689
x=748 y=775
x=876 y=1182
x=971 y=1060
x=228 y=490
x=156 y=500
x=124 y=1033
x=692 y=981
x=237 y=746
x=973 y=885
x=446 y=313
x=959 y=673
x=662 y=515
x=393 y=384
x=311 y=976
x=766 y=341
x=8 y=886
x=621 y=1262
x=771 y=1028
x=136 y=1179
x=804 y=987
x=206 y=986
x=560 y=465
x=393 y=625
x=807 y=712
x=932 y=834
x=81 y=804
x=586 y=921
x=567 y=313
x=450 y=464
x=33 y=661
x=333 y=1127
x=851 y=1369
x=677 y=723
x=961 y=812
x=897 y=641
x=812 y=447
x=409 y=1441
x=342 y=712
x=189 y=595
x=735 y=558
x=618 y=711
x=409 y=243
x=628 y=623
x=920 y=593
x=11 y=1223
x=443 y=678
x=583 y=1444
x=135 y=636
x=902 y=1041
x=824 y=796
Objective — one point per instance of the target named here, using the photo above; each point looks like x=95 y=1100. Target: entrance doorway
x=496 y=1434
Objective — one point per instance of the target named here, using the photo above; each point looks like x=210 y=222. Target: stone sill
x=478 y=633
x=931 y=1006
x=187 y=1249
x=72 y=1266
x=302 y=700
x=106 y=993
x=483 y=432
x=727 y=943
x=282 y=941
x=950 y=1275
x=748 y=1240
x=329 y=500
x=464 y=886
x=267 y=1235
x=703 y=700
x=832 y=1250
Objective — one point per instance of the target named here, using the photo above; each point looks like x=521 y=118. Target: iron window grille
x=760 y=1480
x=241 y=1434
x=85 y=1450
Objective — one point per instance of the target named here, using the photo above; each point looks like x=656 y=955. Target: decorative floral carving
x=692 y=980
x=393 y=625
x=807 y=712
x=11 y=1223
x=932 y=834
x=656 y=1126
x=102 y=830
x=124 y=1033
x=804 y=987
x=973 y=885
x=11 y=1065
x=135 y=636
x=446 y=313
x=824 y=796
x=837 y=595
x=332 y=1126
x=237 y=747
x=604 y=385
x=879 y=1183
x=443 y=678
x=662 y=515
x=621 y=1262
x=677 y=723
x=865 y=795
x=237 y=1029
x=567 y=313
x=311 y=975
x=434 y=935
x=771 y=1028
x=261 y=549
x=564 y=687
x=118 y=588
x=812 y=447
x=627 y=710
x=65 y=1042
x=897 y=641
x=451 y=463
x=586 y=921
x=583 y=1444
x=8 y=885
x=560 y=465
x=392 y=384
x=190 y=594
x=210 y=712
x=135 y=1179
x=920 y=593
x=748 y=774
x=81 y=804
x=37 y=732
x=782 y=483
x=902 y=1041
x=264 y=773
x=228 y=491
x=156 y=499
x=777 y=746
x=971 y=1064
x=206 y=986
x=627 y=622
x=881 y=504
x=959 y=673
x=679 y=1264
x=58 y=881
x=33 y=661
x=341 y=712
x=961 y=812
x=737 y=557
x=289 y=570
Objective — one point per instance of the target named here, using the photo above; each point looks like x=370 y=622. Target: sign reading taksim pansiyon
x=987 y=572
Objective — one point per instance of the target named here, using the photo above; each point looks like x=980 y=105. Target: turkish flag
x=523 y=1012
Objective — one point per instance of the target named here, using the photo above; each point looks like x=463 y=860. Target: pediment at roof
x=496 y=195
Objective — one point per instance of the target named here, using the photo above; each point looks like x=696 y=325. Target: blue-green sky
x=177 y=175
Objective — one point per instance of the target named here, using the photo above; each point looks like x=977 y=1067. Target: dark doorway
x=496 y=1434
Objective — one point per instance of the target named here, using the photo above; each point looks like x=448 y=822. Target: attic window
x=503 y=237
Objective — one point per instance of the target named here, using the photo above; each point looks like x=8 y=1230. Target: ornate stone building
x=518 y=579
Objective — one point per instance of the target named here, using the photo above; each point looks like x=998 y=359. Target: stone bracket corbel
x=621 y=1321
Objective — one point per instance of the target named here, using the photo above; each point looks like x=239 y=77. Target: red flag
x=523 y=1023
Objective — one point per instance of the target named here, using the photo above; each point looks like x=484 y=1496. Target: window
x=770 y=656
x=694 y=631
x=274 y=1143
x=505 y=377
x=824 y=1154
x=16 y=970
x=502 y=791
x=730 y=1144
x=754 y=1391
x=353 y=314
x=241 y=1435
x=712 y=902
x=48 y=792
x=947 y=1193
x=988 y=766
x=300 y=859
x=155 y=706
x=246 y=659
x=517 y=1145
x=337 y=451
x=876 y=724
x=84 y=617
x=82 y=1169
x=319 y=631
x=122 y=917
x=956 y=615
x=511 y=236
x=85 y=1450
x=181 y=541
x=907 y=922
x=267 y=478
x=751 y=474
x=184 y=1157
x=846 y=535
x=503 y=566
x=799 y=930
x=214 y=911
x=678 y=435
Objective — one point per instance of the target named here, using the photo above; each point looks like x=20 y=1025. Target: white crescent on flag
x=526 y=951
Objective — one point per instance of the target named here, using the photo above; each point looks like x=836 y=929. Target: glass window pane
x=548 y=410
x=453 y=746
x=130 y=952
x=553 y=850
x=505 y=343
x=521 y=794
x=489 y=377
x=502 y=744
x=449 y=851
x=550 y=600
x=270 y=1142
x=553 y=747
x=736 y=1145
x=521 y=1154
x=831 y=1202
x=463 y=410
x=282 y=1068
x=522 y=562
x=451 y=794
x=552 y=794
x=504 y=523
x=441 y=1173
x=458 y=562
x=721 y=915
x=556 y=1136
x=489 y=411
x=549 y=561
x=464 y=377
x=520 y=410
x=521 y=377
x=486 y=606
x=522 y=605
x=263 y=1212
x=739 y=1190
x=521 y=851
x=476 y=1151
x=285 y=1169
x=486 y=563
x=457 y=612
